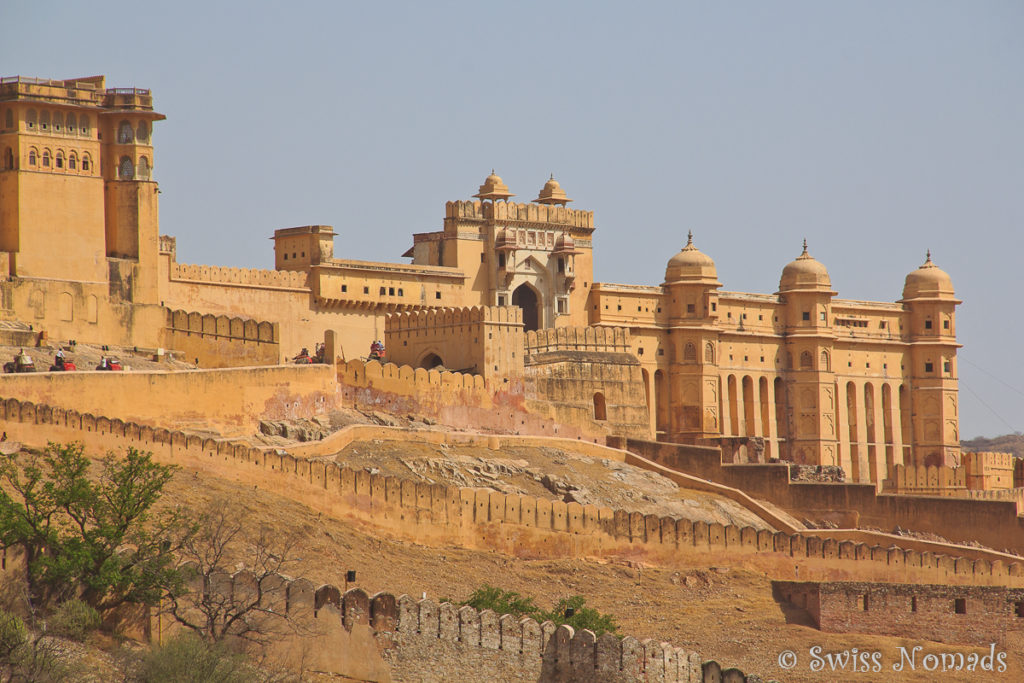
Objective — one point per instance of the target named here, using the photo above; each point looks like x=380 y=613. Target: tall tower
x=929 y=299
x=691 y=294
x=805 y=292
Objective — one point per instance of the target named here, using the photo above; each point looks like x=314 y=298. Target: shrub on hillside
x=13 y=634
x=502 y=602
x=74 y=619
x=187 y=658
x=572 y=610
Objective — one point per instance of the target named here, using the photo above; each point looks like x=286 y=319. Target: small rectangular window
x=714 y=306
x=691 y=308
x=744 y=316
x=913 y=604
x=864 y=602
x=366 y=290
x=807 y=315
x=620 y=307
x=661 y=352
x=383 y=291
x=482 y=257
x=344 y=288
x=760 y=317
x=945 y=324
x=640 y=351
x=928 y=367
x=286 y=257
x=822 y=317
x=927 y=324
x=437 y=295
x=960 y=605
x=1018 y=609
x=303 y=254
x=391 y=291
x=400 y=292
x=881 y=325
x=946 y=366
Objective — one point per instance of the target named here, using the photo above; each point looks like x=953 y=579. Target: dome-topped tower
x=552 y=193
x=493 y=188
x=691 y=265
x=805 y=273
x=928 y=282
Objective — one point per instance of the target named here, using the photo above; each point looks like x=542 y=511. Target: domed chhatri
x=493 y=188
x=552 y=193
x=928 y=282
x=806 y=272
x=691 y=264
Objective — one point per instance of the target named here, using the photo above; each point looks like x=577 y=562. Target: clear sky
x=875 y=129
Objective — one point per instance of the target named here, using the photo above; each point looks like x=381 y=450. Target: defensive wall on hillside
x=994 y=523
x=219 y=341
x=947 y=614
x=384 y=637
x=516 y=525
x=231 y=401
x=243 y=277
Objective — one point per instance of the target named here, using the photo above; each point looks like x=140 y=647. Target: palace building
x=797 y=374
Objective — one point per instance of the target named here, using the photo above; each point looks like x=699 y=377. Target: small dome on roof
x=805 y=272
x=690 y=264
x=552 y=193
x=928 y=281
x=493 y=188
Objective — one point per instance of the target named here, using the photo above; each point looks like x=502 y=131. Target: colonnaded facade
x=816 y=379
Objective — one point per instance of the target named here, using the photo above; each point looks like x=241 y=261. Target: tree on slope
x=98 y=537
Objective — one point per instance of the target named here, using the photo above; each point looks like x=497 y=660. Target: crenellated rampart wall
x=220 y=341
x=993 y=523
x=601 y=339
x=523 y=212
x=244 y=277
x=517 y=525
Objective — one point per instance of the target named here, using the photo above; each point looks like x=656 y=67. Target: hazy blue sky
x=874 y=129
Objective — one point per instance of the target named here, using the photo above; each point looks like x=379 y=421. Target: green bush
x=13 y=634
x=510 y=602
x=75 y=620
x=187 y=658
x=502 y=602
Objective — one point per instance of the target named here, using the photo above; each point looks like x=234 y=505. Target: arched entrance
x=431 y=361
x=526 y=298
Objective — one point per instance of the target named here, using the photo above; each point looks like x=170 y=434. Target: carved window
x=125 y=169
x=709 y=353
x=824 y=361
x=46 y=158
x=59 y=159
x=31 y=157
x=806 y=361
x=71 y=125
x=690 y=353
x=125 y=135
x=58 y=121
x=84 y=123
x=9 y=119
x=72 y=161
x=144 y=168
x=142 y=132
x=86 y=162
x=30 y=119
x=44 y=120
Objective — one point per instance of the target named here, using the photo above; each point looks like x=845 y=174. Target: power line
x=991 y=410
x=995 y=377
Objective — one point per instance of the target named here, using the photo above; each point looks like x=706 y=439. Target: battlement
x=932 y=480
x=601 y=339
x=433 y=318
x=525 y=213
x=80 y=92
x=243 y=277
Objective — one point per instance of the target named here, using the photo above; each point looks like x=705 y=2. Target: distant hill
x=1007 y=443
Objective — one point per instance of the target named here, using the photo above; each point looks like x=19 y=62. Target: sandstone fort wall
x=232 y=401
x=517 y=525
x=994 y=523
x=219 y=341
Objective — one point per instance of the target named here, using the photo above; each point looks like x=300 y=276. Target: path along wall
x=230 y=401
x=523 y=526
x=993 y=523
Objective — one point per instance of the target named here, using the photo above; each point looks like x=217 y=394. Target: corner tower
x=930 y=302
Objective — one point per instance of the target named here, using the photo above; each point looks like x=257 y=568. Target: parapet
x=602 y=339
x=245 y=329
x=248 y=277
x=430 y=318
x=527 y=213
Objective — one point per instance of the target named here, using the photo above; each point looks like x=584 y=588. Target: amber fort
x=798 y=403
